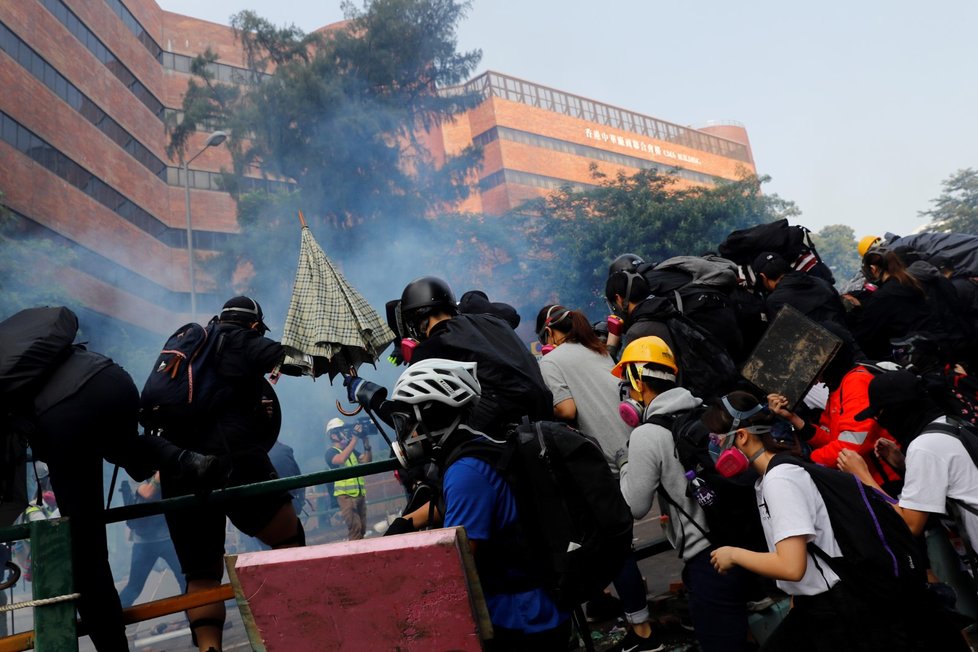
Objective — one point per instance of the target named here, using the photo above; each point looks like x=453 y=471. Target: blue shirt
x=477 y=498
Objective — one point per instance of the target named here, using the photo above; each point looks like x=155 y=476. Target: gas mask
x=630 y=410
x=727 y=458
x=416 y=443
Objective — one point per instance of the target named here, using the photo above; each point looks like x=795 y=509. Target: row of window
x=29 y=143
x=135 y=27
x=493 y=84
x=50 y=77
x=536 y=140
x=205 y=180
x=222 y=72
x=102 y=268
x=87 y=38
x=528 y=179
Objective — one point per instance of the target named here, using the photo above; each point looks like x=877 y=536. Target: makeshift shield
x=791 y=356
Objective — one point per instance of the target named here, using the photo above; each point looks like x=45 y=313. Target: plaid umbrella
x=330 y=328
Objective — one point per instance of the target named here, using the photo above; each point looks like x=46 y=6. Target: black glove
x=400 y=525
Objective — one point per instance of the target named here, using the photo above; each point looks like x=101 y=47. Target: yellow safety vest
x=351 y=486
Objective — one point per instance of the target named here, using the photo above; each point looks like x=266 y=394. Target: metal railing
x=55 y=627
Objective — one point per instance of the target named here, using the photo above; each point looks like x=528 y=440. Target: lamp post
x=213 y=140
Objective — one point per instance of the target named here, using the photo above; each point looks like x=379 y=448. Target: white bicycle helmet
x=444 y=381
x=436 y=391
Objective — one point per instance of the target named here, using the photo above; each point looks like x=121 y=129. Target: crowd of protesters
x=894 y=407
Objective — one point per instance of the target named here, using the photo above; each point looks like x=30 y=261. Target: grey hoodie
x=652 y=462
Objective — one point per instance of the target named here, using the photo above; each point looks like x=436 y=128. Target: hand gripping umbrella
x=330 y=328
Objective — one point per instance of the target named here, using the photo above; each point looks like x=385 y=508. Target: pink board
x=411 y=592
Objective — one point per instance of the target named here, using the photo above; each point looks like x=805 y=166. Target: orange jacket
x=838 y=428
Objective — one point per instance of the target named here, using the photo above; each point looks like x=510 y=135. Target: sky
x=857 y=110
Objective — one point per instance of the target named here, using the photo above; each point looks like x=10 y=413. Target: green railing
x=55 y=627
x=54 y=623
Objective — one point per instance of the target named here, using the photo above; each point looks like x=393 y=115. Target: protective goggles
x=633 y=372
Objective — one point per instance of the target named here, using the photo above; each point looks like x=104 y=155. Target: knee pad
x=297 y=540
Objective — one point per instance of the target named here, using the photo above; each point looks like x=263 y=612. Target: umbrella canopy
x=330 y=328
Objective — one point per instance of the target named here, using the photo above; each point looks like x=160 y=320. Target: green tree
x=956 y=210
x=343 y=118
x=836 y=244
x=650 y=214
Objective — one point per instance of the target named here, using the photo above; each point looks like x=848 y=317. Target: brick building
x=87 y=85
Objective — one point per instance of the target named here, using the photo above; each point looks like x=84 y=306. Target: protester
x=810 y=295
x=350 y=494
x=837 y=428
x=897 y=307
x=828 y=614
x=232 y=431
x=509 y=374
x=81 y=412
x=150 y=541
x=577 y=371
x=650 y=466
x=436 y=400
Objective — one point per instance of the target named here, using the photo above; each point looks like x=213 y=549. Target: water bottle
x=700 y=490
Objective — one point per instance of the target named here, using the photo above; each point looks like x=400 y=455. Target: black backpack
x=183 y=382
x=575 y=526
x=880 y=556
x=33 y=343
x=793 y=243
x=732 y=519
x=706 y=368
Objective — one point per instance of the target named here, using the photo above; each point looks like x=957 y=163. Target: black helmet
x=422 y=297
x=625 y=263
x=244 y=310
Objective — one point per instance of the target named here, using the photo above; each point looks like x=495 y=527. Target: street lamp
x=213 y=140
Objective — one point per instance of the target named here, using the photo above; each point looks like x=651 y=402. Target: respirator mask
x=417 y=442
x=728 y=459
x=630 y=410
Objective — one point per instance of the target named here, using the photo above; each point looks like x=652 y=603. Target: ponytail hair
x=572 y=324
x=891 y=264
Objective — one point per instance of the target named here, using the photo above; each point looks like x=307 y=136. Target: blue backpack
x=182 y=385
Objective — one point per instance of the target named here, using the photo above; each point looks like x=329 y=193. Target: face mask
x=408 y=345
x=630 y=410
x=727 y=458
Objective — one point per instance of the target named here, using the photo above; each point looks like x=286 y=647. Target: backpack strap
x=960 y=430
x=663 y=494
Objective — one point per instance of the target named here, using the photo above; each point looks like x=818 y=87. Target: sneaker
x=760 y=605
x=635 y=643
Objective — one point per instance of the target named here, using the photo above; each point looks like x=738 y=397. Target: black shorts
x=198 y=532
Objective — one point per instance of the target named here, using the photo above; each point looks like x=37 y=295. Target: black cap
x=890 y=388
x=244 y=310
x=771 y=264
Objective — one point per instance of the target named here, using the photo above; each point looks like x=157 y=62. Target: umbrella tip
x=302 y=220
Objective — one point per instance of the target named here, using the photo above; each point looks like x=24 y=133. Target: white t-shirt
x=790 y=505
x=938 y=468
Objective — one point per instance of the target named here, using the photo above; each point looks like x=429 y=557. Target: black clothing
x=751 y=319
x=649 y=318
x=810 y=295
x=475 y=302
x=893 y=310
x=714 y=312
x=98 y=421
x=234 y=432
x=946 y=309
x=512 y=385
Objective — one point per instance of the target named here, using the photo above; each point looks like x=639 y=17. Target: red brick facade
x=531 y=142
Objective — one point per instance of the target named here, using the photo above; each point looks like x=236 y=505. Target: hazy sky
x=857 y=110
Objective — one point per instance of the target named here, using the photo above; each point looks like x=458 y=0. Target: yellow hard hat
x=867 y=243
x=643 y=351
